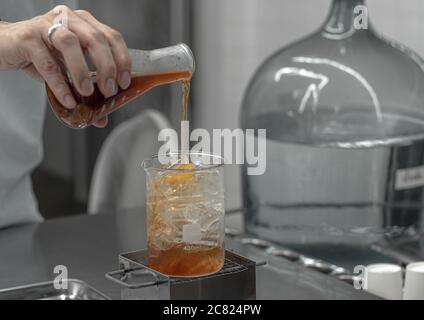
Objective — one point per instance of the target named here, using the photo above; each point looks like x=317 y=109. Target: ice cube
x=192 y=233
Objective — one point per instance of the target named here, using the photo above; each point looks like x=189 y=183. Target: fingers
x=68 y=44
x=70 y=41
x=118 y=46
x=49 y=69
x=95 y=42
x=83 y=33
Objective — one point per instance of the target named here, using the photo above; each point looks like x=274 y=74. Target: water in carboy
x=344 y=114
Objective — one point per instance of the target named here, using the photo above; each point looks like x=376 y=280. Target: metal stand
x=236 y=280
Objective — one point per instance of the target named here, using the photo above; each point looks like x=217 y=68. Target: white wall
x=231 y=38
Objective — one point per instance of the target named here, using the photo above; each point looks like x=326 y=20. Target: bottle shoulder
x=329 y=84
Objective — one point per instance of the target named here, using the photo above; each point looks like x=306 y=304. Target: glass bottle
x=344 y=113
x=149 y=69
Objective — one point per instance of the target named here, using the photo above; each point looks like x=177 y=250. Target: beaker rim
x=216 y=162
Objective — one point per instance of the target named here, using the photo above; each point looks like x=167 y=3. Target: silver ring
x=51 y=31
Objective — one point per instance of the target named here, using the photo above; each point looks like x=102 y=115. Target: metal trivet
x=236 y=280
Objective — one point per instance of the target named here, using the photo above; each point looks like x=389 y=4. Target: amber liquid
x=177 y=259
x=93 y=108
x=167 y=254
x=187 y=260
x=185 y=96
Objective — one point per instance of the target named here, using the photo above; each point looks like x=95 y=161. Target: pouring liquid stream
x=185 y=134
x=180 y=192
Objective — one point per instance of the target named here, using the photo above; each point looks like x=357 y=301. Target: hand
x=24 y=45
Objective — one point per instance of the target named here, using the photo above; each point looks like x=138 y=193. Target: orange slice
x=180 y=177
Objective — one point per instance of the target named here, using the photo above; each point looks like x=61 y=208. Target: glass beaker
x=185 y=214
x=149 y=69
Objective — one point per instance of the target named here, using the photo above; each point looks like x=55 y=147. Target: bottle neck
x=173 y=59
x=346 y=17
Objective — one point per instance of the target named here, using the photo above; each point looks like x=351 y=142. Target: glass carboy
x=344 y=114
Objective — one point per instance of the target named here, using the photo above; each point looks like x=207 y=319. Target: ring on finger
x=51 y=31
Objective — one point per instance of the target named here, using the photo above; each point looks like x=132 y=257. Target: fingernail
x=70 y=102
x=111 y=88
x=87 y=86
x=125 y=80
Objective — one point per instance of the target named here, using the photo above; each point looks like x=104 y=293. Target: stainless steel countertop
x=89 y=246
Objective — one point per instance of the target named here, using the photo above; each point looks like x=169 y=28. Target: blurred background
x=229 y=39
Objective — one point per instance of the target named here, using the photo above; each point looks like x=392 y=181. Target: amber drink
x=185 y=215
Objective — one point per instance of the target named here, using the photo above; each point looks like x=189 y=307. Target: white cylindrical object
x=414 y=282
x=384 y=280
